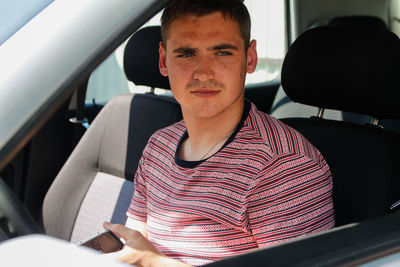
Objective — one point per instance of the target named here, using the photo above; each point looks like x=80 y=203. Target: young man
x=228 y=178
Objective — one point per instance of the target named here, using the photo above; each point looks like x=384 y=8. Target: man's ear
x=252 y=57
x=162 y=60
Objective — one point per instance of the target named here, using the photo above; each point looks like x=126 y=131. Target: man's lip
x=205 y=93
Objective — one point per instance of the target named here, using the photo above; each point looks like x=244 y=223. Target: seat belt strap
x=80 y=106
x=79 y=120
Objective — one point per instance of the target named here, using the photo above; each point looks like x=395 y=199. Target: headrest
x=359 y=21
x=141 y=58
x=354 y=69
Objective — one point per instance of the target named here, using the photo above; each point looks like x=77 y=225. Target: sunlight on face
x=206 y=63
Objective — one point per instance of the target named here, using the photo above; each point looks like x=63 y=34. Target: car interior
x=336 y=87
x=360 y=192
x=108 y=154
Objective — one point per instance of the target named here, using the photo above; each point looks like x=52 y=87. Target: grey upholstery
x=124 y=122
x=95 y=184
x=106 y=200
x=101 y=149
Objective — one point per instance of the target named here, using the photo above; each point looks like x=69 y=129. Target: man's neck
x=207 y=136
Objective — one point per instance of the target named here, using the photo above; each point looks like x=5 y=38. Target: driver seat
x=96 y=182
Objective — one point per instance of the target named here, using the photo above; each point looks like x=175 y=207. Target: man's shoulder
x=281 y=138
x=178 y=127
x=268 y=126
x=172 y=132
x=256 y=114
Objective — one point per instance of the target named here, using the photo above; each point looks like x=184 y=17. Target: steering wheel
x=15 y=220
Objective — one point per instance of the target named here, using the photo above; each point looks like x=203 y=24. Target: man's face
x=206 y=62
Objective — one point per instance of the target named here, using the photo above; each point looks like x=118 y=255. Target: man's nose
x=204 y=69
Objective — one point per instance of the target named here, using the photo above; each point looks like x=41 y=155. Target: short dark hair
x=233 y=9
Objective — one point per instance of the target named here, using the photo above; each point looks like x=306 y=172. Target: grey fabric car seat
x=95 y=184
x=353 y=70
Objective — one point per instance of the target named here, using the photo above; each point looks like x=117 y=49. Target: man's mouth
x=205 y=93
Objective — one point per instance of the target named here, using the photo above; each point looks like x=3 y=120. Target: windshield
x=14 y=14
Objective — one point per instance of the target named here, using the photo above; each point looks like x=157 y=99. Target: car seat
x=284 y=107
x=96 y=182
x=351 y=69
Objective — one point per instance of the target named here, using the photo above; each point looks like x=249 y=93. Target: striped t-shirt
x=266 y=185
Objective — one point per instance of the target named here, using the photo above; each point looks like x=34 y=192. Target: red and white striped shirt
x=266 y=185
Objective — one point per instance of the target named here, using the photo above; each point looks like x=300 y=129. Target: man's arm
x=137 y=225
x=138 y=249
x=292 y=198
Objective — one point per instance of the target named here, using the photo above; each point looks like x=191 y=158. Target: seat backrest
x=96 y=182
x=352 y=69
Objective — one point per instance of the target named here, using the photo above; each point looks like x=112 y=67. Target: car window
x=268 y=28
x=109 y=80
x=16 y=13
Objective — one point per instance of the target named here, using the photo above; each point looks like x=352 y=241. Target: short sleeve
x=290 y=198
x=138 y=207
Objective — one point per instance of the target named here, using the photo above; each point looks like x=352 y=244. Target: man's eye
x=224 y=53
x=185 y=55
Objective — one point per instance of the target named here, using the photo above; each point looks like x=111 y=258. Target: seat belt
x=80 y=95
x=80 y=121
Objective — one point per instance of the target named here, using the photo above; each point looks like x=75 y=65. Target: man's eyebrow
x=190 y=50
x=224 y=46
x=184 y=50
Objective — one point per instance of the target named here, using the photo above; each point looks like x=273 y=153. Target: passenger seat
x=352 y=70
x=284 y=107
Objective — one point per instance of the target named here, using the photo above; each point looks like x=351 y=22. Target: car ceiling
x=310 y=12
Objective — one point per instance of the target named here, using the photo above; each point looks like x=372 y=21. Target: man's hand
x=138 y=250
